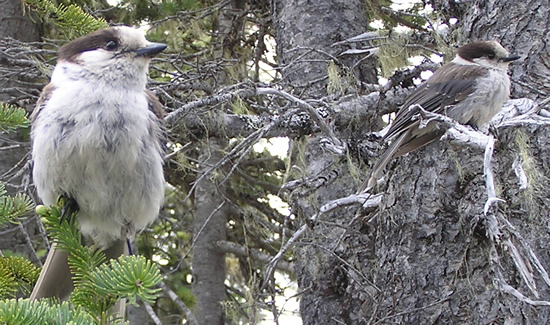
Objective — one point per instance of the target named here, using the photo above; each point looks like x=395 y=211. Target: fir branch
x=8 y=286
x=132 y=277
x=24 y=311
x=20 y=273
x=82 y=260
x=70 y=20
x=12 y=117
x=98 y=285
x=12 y=207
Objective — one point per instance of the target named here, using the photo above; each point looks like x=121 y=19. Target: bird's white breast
x=491 y=92
x=99 y=145
x=496 y=88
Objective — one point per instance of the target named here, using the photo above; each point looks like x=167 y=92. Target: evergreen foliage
x=17 y=275
x=13 y=207
x=98 y=286
x=24 y=311
x=70 y=20
x=12 y=117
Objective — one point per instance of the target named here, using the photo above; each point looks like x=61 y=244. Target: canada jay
x=471 y=90
x=97 y=140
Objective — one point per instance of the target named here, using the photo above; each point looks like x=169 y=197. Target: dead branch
x=243 y=251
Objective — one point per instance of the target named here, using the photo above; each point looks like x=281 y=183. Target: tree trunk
x=305 y=33
x=208 y=228
x=14 y=24
x=211 y=206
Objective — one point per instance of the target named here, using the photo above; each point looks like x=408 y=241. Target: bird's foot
x=70 y=207
x=129 y=245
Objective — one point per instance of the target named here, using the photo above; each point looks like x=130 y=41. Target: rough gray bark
x=307 y=30
x=14 y=24
x=430 y=260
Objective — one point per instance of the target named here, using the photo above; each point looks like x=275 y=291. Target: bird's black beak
x=511 y=58
x=151 y=50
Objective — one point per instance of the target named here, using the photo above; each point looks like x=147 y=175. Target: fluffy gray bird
x=97 y=139
x=471 y=90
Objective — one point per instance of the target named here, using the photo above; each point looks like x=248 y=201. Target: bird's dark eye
x=111 y=45
x=491 y=56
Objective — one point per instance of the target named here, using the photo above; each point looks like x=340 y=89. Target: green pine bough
x=99 y=285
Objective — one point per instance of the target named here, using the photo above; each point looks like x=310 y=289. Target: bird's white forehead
x=499 y=50
x=131 y=37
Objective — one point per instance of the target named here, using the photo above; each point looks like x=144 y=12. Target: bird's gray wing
x=447 y=87
x=42 y=101
x=155 y=105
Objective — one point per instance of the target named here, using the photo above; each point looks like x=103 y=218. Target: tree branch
x=181 y=305
x=243 y=251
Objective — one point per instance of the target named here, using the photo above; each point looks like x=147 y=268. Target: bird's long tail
x=380 y=165
x=55 y=278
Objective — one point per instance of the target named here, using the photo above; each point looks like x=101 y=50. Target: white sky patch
x=266 y=72
x=277 y=146
x=377 y=24
x=426 y=74
x=288 y=304
x=402 y=4
x=281 y=206
x=159 y=260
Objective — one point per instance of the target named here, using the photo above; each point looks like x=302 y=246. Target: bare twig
x=520 y=174
x=272 y=265
x=489 y=177
x=181 y=305
x=243 y=251
x=310 y=110
x=172 y=118
x=366 y=200
x=505 y=287
x=152 y=314
x=521 y=266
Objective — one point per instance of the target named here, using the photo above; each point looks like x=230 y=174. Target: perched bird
x=470 y=89
x=97 y=140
